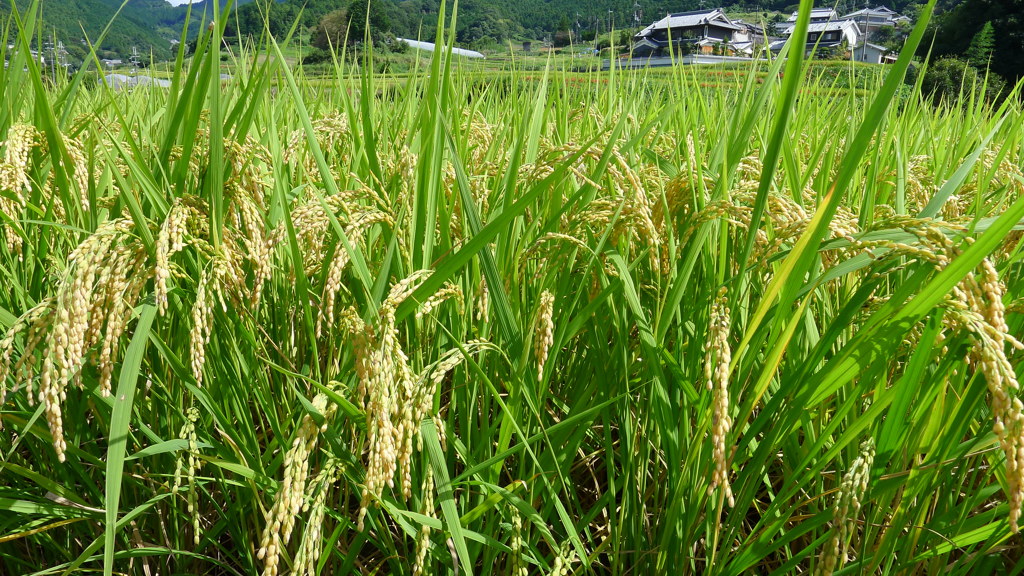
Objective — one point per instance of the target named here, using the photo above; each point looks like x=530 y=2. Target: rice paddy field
x=651 y=322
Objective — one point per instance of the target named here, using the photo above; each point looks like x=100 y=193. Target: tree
x=956 y=29
x=332 y=32
x=563 y=37
x=625 y=41
x=349 y=25
x=979 y=53
x=891 y=37
x=363 y=13
x=947 y=80
x=482 y=19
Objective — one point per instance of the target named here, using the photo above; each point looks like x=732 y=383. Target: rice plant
x=517 y=323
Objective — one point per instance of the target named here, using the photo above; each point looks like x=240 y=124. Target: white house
x=711 y=31
x=872 y=54
x=827 y=34
x=880 y=16
x=749 y=39
x=833 y=33
x=817 y=15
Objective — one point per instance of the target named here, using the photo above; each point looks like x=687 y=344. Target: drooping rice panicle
x=716 y=373
x=544 y=331
x=845 y=512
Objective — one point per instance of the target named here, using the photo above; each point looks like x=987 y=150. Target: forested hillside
x=152 y=25
x=958 y=27
x=501 y=21
x=137 y=26
x=985 y=32
x=146 y=25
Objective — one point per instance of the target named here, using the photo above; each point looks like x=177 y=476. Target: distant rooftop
x=694 y=18
x=817 y=14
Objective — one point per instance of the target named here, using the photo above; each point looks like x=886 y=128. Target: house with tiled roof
x=878 y=16
x=827 y=35
x=713 y=32
x=873 y=54
x=749 y=40
x=700 y=31
x=817 y=15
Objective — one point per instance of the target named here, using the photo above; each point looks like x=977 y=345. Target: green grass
x=866 y=242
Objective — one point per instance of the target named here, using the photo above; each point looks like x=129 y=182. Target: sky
x=180 y=2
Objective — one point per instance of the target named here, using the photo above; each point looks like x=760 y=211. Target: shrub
x=316 y=56
x=950 y=79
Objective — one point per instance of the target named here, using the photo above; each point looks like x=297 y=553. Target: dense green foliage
x=146 y=25
x=949 y=79
x=521 y=323
x=363 y=19
x=982 y=47
x=960 y=27
x=135 y=27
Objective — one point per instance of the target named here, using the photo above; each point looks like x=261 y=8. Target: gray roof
x=879 y=11
x=817 y=13
x=880 y=15
x=829 y=26
x=689 y=19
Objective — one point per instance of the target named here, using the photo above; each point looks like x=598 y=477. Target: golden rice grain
x=95 y=285
x=427 y=509
x=544 y=329
x=291 y=493
x=202 y=324
x=316 y=506
x=717 y=357
x=357 y=227
x=564 y=561
x=14 y=178
x=974 y=308
x=394 y=399
x=188 y=432
x=34 y=324
x=849 y=500
x=517 y=566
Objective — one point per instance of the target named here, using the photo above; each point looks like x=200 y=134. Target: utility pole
x=48 y=53
x=867 y=28
x=134 y=59
x=62 y=56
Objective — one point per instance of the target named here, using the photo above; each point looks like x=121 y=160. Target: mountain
x=151 y=25
x=960 y=32
x=501 y=20
x=148 y=26
x=67 y=19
